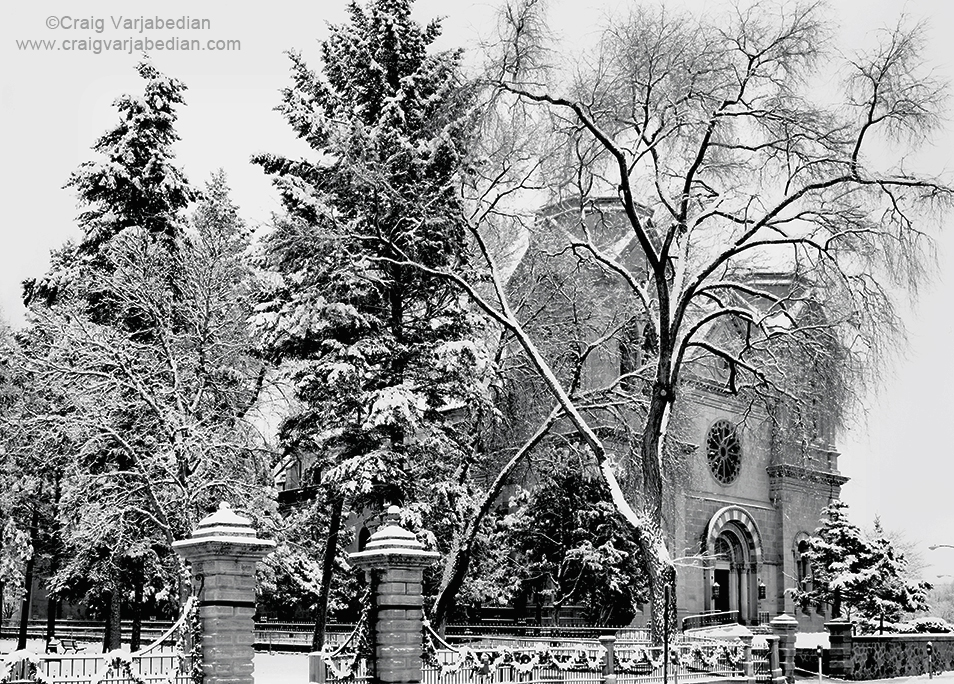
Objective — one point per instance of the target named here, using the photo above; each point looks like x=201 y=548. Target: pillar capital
x=392 y=546
x=839 y=628
x=223 y=534
x=784 y=624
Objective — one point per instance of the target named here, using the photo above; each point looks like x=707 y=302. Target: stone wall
x=888 y=655
x=899 y=655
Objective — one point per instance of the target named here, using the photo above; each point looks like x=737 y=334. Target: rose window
x=724 y=452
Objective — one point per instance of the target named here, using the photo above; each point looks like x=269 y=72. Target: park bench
x=63 y=646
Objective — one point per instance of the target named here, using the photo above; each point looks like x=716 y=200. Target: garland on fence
x=352 y=654
x=118 y=662
x=190 y=641
x=114 y=662
x=7 y=673
x=483 y=662
x=121 y=663
x=732 y=654
x=645 y=659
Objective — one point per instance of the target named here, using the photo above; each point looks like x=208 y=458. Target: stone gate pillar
x=394 y=562
x=840 y=659
x=775 y=666
x=748 y=667
x=785 y=627
x=222 y=552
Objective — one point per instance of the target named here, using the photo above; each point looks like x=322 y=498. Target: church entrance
x=721 y=602
x=734 y=552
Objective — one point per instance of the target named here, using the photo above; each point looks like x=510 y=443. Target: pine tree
x=134 y=182
x=858 y=576
x=570 y=544
x=387 y=357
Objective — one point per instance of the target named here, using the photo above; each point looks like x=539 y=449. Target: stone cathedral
x=738 y=517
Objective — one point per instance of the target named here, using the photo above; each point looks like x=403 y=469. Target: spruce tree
x=132 y=182
x=387 y=358
x=857 y=576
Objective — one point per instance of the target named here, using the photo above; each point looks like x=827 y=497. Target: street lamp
x=935 y=547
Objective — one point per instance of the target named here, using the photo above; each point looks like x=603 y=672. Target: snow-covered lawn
x=281 y=668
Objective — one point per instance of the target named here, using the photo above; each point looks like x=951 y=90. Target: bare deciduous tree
x=770 y=218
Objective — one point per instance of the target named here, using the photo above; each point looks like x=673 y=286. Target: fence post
x=840 y=658
x=785 y=626
x=775 y=665
x=394 y=562
x=222 y=553
x=609 y=667
x=748 y=667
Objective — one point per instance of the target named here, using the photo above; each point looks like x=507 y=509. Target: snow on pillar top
x=228 y=532
x=224 y=521
x=393 y=546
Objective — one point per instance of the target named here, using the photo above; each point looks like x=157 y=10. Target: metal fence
x=538 y=662
x=761 y=665
x=161 y=662
x=89 y=669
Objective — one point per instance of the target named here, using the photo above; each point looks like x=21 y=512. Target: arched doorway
x=734 y=558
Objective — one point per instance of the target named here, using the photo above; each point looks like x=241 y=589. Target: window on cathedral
x=803 y=569
x=722 y=550
x=724 y=452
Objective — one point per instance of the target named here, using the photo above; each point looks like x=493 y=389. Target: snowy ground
x=281 y=668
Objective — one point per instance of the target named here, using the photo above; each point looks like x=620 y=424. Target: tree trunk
x=458 y=562
x=652 y=537
x=135 y=638
x=108 y=627
x=327 y=572
x=28 y=583
x=52 y=607
x=661 y=574
x=113 y=633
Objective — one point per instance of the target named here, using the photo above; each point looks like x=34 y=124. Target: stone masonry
x=394 y=563
x=222 y=553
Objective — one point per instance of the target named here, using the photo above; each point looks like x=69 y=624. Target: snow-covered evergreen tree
x=570 y=545
x=857 y=576
x=388 y=361
x=132 y=182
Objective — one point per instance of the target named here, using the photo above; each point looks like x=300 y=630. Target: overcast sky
x=55 y=103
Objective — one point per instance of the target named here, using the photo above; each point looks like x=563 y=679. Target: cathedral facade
x=740 y=520
x=754 y=476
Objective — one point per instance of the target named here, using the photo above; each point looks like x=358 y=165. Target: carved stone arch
x=739 y=518
x=733 y=547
